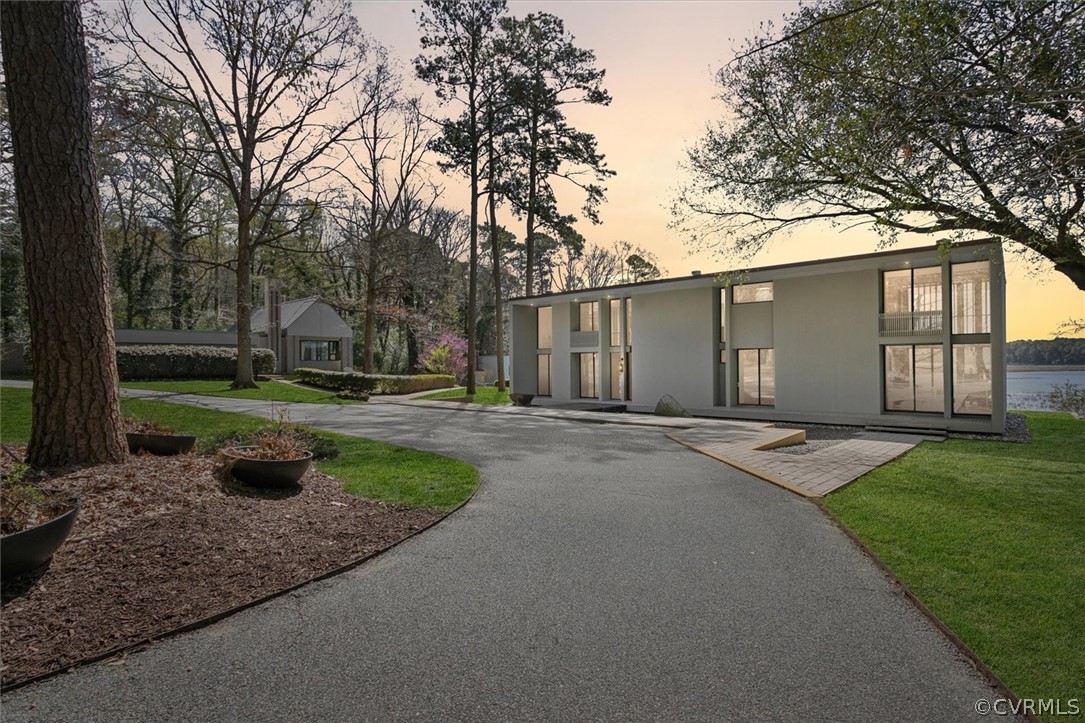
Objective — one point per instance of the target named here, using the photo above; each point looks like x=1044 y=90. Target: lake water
x=1029 y=390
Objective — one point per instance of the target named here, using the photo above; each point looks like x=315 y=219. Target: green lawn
x=369 y=469
x=991 y=537
x=483 y=395
x=271 y=391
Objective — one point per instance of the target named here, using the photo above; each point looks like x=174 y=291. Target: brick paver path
x=811 y=475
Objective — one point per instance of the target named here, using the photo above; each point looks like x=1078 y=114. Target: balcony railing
x=916 y=323
x=581 y=339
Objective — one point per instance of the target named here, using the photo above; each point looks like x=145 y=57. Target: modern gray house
x=911 y=338
x=302 y=333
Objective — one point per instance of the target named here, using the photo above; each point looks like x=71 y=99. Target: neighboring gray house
x=304 y=333
x=307 y=333
x=912 y=338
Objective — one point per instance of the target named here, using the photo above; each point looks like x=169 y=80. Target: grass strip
x=376 y=470
x=483 y=395
x=988 y=535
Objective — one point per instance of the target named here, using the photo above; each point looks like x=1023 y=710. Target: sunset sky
x=660 y=58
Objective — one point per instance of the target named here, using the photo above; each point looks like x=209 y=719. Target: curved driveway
x=601 y=572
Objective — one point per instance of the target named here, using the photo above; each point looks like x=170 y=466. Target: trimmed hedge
x=374 y=383
x=188 y=361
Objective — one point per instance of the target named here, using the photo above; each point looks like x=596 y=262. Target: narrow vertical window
x=615 y=322
x=544 y=375
x=723 y=316
x=628 y=322
x=616 y=371
x=588 y=368
x=545 y=327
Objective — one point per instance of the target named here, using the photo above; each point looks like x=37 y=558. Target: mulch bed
x=160 y=542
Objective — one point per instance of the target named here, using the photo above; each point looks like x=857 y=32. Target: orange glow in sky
x=660 y=57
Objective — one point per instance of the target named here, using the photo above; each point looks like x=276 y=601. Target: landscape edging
x=216 y=617
x=981 y=667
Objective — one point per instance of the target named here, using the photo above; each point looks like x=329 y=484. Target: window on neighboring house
x=589 y=364
x=752 y=293
x=615 y=322
x=971 y=298
x=912 y=300
x=544 y=375
x=972 y=378
x=545 y=318
x=589 y=316
x=757 y=377
x=914 y=380
x=319 y=350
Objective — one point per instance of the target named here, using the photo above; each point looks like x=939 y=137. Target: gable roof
x=291 y=312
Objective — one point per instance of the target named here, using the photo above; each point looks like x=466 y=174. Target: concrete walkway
x=602 y=572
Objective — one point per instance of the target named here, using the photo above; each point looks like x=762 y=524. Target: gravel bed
x=809 y=447
x=1016 y=431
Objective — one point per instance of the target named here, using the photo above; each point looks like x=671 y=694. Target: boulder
x=668 y=406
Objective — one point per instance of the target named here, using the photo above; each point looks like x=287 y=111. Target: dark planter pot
x=267 y=472
x=162 y=445
x=21 y=552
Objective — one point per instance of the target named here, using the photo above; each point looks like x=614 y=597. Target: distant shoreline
x=1045 y=368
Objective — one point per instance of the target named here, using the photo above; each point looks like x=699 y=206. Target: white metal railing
x=910 y=323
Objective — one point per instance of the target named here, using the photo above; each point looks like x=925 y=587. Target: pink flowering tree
x=447 y=355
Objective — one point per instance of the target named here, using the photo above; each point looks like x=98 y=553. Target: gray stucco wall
x=826 y=338
x=674 y=349
x=523 y=333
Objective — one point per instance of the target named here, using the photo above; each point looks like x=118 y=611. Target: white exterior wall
x=674 y=351
x=826 y=340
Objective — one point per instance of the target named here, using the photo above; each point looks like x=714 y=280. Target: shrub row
x=374 y=383
x=175 y=361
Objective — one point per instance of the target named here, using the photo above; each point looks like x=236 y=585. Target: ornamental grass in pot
x=274 y=459
x=34 y=521
x=155 y=439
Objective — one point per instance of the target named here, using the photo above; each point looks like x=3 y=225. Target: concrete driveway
x=601 y=572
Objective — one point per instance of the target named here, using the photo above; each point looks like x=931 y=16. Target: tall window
x=913 y=378
x=546 y=327
x=971 y=298
x=589 y=316
x=723 y=316
x=972 y=378
x=589 y=363
x=757 y=376
x=752 y=293
x=912 y=300
x=617 y=370
x=544 y=375
x=628 y=322
x=615 y=322
x=320 y=350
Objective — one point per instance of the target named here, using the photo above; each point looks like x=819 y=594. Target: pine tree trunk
x=495 y=250
x=76 y=414
x=243 y=379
